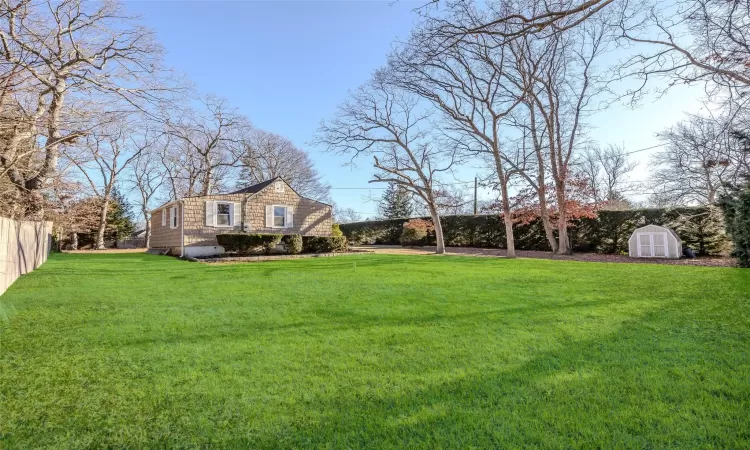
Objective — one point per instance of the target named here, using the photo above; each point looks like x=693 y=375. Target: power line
x=381 y=188
x=644 y=149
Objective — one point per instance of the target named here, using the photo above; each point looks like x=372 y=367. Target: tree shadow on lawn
x=633 y=376
x=323 y=321
x=634 y=388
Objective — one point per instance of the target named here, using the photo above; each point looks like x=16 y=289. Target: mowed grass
x=374 y=351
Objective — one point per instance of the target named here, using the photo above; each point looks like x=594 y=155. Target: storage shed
x=653 y=241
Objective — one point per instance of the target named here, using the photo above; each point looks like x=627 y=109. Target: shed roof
x=666 y=229
x=650 y=225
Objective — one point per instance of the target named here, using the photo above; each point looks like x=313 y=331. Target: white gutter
x=182 y=229
x=159 y=208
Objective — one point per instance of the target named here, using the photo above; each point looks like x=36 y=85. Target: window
x=173 y=217
x=223 y=214
x=279 y=216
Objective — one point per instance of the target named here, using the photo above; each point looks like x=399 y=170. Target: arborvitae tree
x=395 y=203
x=736 y=205
x=120 y=223
x=703 y=231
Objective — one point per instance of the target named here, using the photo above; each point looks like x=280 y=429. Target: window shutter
x=210 y=213
x=269 y=216
x=234 y=212
x=164 y=217
x=289 y=217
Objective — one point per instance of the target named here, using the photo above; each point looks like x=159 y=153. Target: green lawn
x=132 y=351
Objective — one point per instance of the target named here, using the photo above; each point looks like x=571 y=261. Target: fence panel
x=24 y=246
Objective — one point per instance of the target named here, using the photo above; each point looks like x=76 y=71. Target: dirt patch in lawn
x=590 y=257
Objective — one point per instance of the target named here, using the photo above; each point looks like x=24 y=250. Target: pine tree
x=120 y=222
x=396 y=203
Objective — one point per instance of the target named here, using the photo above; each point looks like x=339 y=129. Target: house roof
x=255 y=188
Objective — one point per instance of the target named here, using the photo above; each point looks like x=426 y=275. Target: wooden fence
x=24 y=246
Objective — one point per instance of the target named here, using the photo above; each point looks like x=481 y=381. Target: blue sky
x=286 y=65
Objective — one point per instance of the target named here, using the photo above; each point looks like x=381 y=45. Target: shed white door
x=652 y=245
x=659 y=241
x=644 y=244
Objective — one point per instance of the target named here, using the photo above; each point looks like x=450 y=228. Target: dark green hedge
x=323 y=244
x=244 y=243
x=293 y=243
x=700 y=228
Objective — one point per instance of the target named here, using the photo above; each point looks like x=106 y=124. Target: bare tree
x=71 y=209
x=346 y=215
x=452 y=200
x=19 y=153
x=101 y=157
x=701 y=160
x=390 y=125
x=206 y=143
x=147 y=173
x=504 y=21
x=268 y=155
x=64 y=52
x=470 y=85
x=606 y=169
x=688 y=41
x=562 y=87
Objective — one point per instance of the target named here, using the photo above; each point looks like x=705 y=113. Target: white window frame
x=651 y=244
x=273 y=216
x=174 y=218
x=216 y=214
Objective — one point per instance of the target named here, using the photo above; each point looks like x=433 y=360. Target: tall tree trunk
x=207 y=178
x=74 y=240
x=544 y=216
x=541 y=183
x=439 y=240
x=509 y=239
x=99 y=245
x=33 y=204
x=148 y=228
x=562 y=221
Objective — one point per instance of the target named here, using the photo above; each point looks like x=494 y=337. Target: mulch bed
x=713 y=261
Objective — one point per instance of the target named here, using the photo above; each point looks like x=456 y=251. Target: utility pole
x=475 y=196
